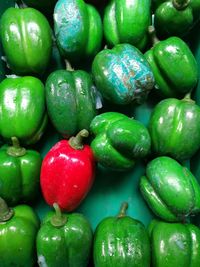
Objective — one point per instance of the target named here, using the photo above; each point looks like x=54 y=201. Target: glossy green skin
x=121 y=242
x=71 y=101
x=170 y=190
x=26 y=40
x=65 y=246
x=174 y=127
x=127 y=22
x=172 y=21
x=174 y=67
x=24 y=115
x=19 y=176
x=17 y=238
x=174 y=244
x=79 y=36
x=3 y=6
x=119 y=140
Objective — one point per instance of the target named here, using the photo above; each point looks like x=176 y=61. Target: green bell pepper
x=64 y=240
x=22 y=112
x=18 y=229
x=174 y=127
x=121 y=241
x=19 y=173
x=127 y=22
x=176 y=17
x=119 y=140
x=170 y=190
x=78 y=29
x=173 y=65
x=122 y=74
x=71 y=101
x=174 y=244
x=26 y=40
x=3 y=6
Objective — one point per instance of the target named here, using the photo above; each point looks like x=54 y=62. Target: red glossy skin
x=67 y=175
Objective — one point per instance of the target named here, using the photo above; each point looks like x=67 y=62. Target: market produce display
x=99 y=107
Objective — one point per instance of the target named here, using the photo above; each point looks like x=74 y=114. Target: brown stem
x=76 y=142
x=123 y=209
x=187 y=98
x=6 y=213
x=16 y=150
x=152 y=33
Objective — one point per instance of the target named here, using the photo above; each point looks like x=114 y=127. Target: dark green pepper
x=170 y=190
x=173 y=65
x=26 y=40
x=122 y=74
x=119 y=140
x=19 y=173
x=174 y=127
x=121 y=241
x=176 y=17
x=64 y=240
x=18 y=229
x=22 y=112
x=174 y=244
x=78 y=29
x=71 y=101
x=123 y=22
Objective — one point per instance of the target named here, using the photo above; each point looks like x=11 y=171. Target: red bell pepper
x=67 y=172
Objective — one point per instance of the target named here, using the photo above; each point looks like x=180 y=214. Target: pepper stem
x=58 y=220
x=152 y=33
x=68 y=65
x=123 y=209
x=6 y=213
x=180 y=4
x=187 y=98
x=76 y=142
x=16 y=150
x=21 y=4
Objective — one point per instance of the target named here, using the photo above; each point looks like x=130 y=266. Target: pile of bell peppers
x=80 y=72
